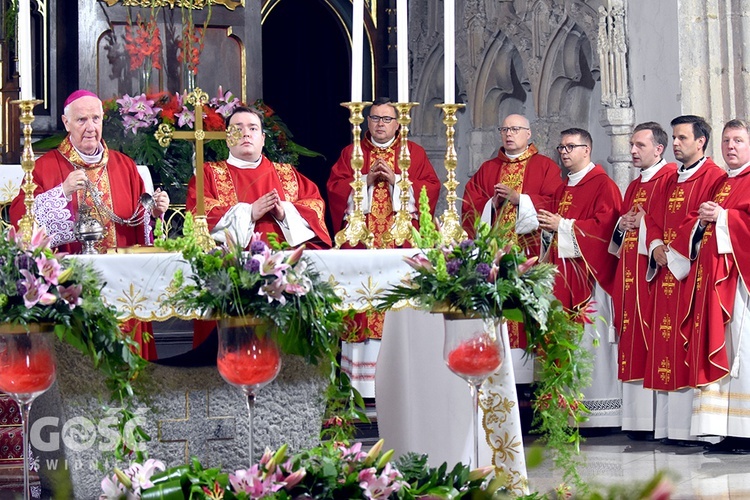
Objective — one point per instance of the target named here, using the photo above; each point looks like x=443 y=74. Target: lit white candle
x=402 y=42
x=358 y=15
x=24 y=49
x=449 y=49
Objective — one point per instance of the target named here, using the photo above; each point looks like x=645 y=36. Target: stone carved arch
x=430 y=87
x=568 y=74
x=502 y=86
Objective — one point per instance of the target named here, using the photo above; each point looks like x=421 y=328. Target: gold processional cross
x=164 y=135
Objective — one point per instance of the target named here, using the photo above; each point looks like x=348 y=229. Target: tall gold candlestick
x=450 y=224
x=401 y=230
x=356 y=230
x=26 y=224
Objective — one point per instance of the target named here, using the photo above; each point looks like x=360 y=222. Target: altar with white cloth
x=421 y=405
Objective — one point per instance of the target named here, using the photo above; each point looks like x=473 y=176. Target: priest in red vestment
x=632 y=293
x=512 y=187
x=381 y=146
x=576 y=239
x=381 y=193
x=83 y=171
x=716 y=319
x=666 y=369
x=249 y=194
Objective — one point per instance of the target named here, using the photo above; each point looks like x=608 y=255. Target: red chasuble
x=381 y=216
x=115 y=173
x=224 y=186
x=666 y=367
x=532 y=174
x=594 y=203
x=715 y=277
x=632 y=293
x=421 y=173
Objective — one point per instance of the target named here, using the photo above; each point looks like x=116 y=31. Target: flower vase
x=145 y=78
x=27 y=369
x=248 y=359
x=473 y=350
x=189 y=78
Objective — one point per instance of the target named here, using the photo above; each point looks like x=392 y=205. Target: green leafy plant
x=487 y=276
x=265 y=282
x=490 y=277
x=38 y=286
x=331 y=471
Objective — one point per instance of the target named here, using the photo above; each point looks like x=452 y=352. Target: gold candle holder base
x=202 y=235
x=356 y=230
x=450 y=223
x=401 y=230
x=26 y=224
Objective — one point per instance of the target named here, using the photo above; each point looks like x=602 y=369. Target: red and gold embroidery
x=380 y=218
x=723 y=193
x=666 y=327
x=665 y=371
x=676 y=199
x=669 y=235
x=667 y=286
x=565 y=203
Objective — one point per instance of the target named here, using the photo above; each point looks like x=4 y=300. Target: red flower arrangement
x=143 y=42
x=190 y=47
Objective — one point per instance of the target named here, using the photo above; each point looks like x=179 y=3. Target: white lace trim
x=52 y=212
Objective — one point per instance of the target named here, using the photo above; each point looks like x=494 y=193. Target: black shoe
x=687 y=443
x=730 y=445
x=691 y=443
x=591 y=432
x=641 y=435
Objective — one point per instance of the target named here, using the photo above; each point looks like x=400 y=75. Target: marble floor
x=615 y=459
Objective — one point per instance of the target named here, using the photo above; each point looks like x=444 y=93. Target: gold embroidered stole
x=511 y=174
x=227 y=191
x=380 y=218
x=96 y=173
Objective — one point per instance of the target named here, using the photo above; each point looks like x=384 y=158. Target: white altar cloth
x=421 y=406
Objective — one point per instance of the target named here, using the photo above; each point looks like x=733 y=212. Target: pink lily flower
x=48 y=268
x=71 y=294
x=36 y=291
x=295 y=256
x=420 y=263
x=525 y=266
x=294 y=478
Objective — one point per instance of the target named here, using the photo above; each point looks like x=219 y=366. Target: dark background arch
x=306 y=77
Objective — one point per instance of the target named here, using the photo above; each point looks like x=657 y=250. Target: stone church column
x=714 y=61
x=617 y=117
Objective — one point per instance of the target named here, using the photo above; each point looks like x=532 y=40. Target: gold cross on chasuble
x=565 y=203
x=676 y=199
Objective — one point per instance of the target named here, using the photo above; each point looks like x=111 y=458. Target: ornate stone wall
x=538 y=58
x=604 y=65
